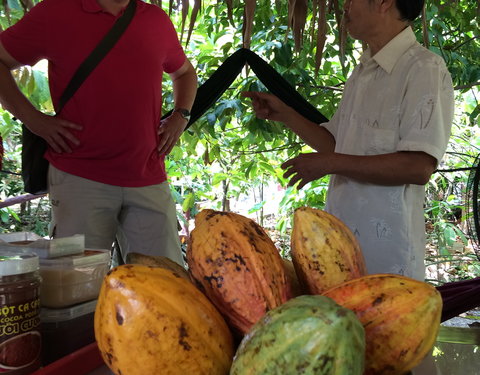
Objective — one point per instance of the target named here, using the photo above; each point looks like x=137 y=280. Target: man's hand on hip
x=169 y=131
x=56 y=131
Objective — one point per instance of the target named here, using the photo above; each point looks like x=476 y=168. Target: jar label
x=20 y=340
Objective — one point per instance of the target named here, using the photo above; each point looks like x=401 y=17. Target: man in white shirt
x=385 y=140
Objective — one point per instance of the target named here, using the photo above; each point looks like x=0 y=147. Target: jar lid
x=17 y=263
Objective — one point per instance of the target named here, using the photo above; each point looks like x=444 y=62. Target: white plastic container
x=44 y=248
x=73 y=279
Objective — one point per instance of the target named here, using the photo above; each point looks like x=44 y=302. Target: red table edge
x=80 y=362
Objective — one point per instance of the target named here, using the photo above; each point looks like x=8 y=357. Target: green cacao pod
x=307 y=335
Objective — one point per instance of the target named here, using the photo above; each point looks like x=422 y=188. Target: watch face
x=184 y=112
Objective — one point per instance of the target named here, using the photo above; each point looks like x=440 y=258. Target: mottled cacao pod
x=306 y=335
x=401 y=317
x=236 y=264
x=324 y=250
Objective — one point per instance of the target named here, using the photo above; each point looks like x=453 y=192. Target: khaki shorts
x=143 y=219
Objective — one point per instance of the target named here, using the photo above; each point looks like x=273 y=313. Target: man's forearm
x=185 y=88
x=397 y=168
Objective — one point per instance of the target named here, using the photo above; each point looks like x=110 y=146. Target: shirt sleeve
x=176 y=55
x=26 y=40
x=427 y=109
x=332 y=125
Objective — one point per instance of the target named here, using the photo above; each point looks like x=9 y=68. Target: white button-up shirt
x=401 y=99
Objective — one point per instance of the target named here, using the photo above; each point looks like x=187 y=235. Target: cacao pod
x=296 y=288
x=149 y=320
x=401 y=317
x=236 y=264
x=157 y=261
x=306 y=335
x=324 y=250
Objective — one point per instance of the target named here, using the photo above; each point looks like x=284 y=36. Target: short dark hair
x=409 y=9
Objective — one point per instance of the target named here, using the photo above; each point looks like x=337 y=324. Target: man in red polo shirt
x=107 y=146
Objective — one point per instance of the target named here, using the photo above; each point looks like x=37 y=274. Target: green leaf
x=450 y=235
x=267 y=167
x=257 y=207
x=219 y=177
x=189 y=202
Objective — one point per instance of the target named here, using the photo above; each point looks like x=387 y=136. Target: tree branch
x=20 y=199
x=464 y=42
x=468 y=86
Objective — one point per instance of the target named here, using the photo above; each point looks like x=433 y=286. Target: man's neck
x=386 y=36
x=113 y=6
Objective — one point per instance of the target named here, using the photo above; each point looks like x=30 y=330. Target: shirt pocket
x=378 y=140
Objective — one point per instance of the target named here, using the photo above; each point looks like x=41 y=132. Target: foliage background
x=229 y=160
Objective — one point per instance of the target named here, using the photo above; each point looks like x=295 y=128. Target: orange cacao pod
x=236 y=264
x=401 y=317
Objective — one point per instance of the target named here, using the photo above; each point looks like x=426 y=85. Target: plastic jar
x=20 y=340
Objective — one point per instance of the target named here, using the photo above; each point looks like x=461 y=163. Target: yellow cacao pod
x=324 y=250
x=401 y=317
x=236 y=264
x=148 y=320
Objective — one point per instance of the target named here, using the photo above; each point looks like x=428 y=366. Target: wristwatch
x=185 y=113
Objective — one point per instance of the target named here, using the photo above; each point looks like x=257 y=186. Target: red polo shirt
x=119 y=104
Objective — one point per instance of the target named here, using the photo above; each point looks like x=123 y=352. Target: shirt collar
x=388 y=56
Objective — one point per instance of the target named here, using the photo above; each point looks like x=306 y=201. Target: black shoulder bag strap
x=34 y=165
x=98 y=53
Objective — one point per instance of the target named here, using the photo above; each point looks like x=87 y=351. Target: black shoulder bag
x=34 y=165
